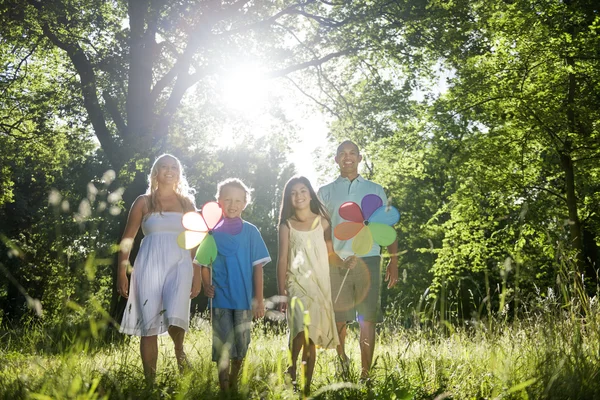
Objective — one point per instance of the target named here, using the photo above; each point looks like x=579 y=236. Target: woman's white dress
x=159 y=294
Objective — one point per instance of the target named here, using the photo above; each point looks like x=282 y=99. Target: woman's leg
x=178 y=334
x=149 y=351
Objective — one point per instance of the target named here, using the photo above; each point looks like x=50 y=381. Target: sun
x=244 y=89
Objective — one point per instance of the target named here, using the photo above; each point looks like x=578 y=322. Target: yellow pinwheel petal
x=362 y=242
x=190 y=239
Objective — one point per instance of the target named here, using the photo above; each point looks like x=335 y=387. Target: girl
x=303 y=274
x=163 y=279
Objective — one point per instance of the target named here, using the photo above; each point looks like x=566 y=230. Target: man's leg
x=367 y=346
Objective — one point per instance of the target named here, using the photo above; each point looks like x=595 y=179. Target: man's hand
x=391 y=273
x=350 y=262
x=196 y=285
x=258 y=308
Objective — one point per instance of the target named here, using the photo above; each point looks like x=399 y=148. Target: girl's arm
x=282 y=263
x=258 y=303
x=334 y=259
x=134 y=220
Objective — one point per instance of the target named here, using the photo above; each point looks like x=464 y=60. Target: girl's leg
x=149 y=351
x=178 y=334
x=296 y=346
x=309 y=356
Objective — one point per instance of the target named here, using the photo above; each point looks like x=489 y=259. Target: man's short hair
x=345 y=142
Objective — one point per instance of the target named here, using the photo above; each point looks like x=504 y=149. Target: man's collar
x=343 y=178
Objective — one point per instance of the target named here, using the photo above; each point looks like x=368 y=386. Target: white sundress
x=159 y=294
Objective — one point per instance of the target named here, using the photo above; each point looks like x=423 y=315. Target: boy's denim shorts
x=231 y=333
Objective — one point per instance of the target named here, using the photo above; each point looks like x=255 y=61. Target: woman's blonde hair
x=184 y=193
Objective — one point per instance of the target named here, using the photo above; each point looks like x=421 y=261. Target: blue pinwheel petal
x=388 y=215
x=227 y=244
x=369 y=204
x=231 y=226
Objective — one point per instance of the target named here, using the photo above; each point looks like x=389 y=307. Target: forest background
x=497 y=176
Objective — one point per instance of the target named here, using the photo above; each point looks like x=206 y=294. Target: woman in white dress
x=163 y=279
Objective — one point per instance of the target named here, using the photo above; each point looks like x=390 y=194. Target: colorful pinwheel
x=372 y=221
x=211 y=231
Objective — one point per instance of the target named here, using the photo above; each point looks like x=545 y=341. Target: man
x=359 y=295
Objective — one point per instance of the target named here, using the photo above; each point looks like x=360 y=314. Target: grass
x=543 y=355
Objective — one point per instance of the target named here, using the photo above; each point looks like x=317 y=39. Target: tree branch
x=308 y=64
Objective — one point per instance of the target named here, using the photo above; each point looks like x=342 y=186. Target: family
x=322 y=284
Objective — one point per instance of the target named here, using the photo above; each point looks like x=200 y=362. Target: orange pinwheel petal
x=193 y=221
x=347 y=230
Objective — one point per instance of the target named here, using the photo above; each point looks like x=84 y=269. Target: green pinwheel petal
x=207 y=251
x=362 y=242
x=383 y=234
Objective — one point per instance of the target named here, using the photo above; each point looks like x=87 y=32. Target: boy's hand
x=350 y=262
x=283 y=303
x=209 y=291
x=258 y=308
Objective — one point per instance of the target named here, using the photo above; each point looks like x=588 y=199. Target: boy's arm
x=282 y=262
x=258 y=303
x=209 y=290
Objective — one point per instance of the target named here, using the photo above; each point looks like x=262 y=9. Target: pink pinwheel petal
x=351 y=211
x=370 y=203
x=347 y=230
x=212 y=213
x=362 y=242
x=231 y=226
x=193 y=221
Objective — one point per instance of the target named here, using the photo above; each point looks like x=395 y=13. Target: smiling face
x=347 y=158
x=233 y=201
x=167 y=171
x=300 y=196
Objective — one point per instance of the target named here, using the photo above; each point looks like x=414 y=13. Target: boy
x=237 y=288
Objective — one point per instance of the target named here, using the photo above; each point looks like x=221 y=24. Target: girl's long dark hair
x=287 y=210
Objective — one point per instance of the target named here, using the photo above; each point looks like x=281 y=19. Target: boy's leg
x=178 y=335
x=223 y=331
x=242 y=323
x=149 y=352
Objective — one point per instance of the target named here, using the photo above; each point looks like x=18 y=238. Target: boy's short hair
x=237 y=183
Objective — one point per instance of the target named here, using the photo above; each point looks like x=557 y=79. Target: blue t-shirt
x=233 y=274
x=336 y=193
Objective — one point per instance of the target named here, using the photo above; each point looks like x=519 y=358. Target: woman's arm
x=134 y=220
x=282 y=264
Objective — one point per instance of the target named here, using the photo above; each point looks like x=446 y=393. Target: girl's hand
x=123 y=285
x=283 y=303
x=258 y=308
x=196 y=286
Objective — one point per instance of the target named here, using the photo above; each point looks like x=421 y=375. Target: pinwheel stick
x=341 y=286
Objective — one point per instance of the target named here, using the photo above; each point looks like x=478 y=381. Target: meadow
x=551 y=351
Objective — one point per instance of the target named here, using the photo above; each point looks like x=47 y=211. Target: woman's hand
x=196 y=285
x=123 y=285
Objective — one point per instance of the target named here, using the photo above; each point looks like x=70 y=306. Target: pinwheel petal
x=363 y=241
x=383 y=235
x=231 y=226
x=370 y=203
x=347 y=230
x=193 y=221
x=351 y=211
x=212 y=213
x=227 y=244
x=388 y=215
x=190 y=239
x=207 y=251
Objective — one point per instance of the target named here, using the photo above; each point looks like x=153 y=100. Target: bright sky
x=244 y=92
